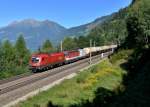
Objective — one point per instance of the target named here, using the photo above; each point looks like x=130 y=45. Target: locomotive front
x=35 y=63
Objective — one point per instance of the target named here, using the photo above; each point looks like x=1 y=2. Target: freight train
x=45 y=61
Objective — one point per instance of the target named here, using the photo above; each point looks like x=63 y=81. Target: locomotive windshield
x=35 y=59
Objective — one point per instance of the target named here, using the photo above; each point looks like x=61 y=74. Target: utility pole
x=90 y=52
x=94 y=43
x=61 y=47
x=39 y=49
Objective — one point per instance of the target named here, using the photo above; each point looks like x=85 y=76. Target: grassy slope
x=81 y=88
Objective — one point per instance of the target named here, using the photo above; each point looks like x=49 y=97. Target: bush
x=13 y=71
x=81 y=78
x=120 y=55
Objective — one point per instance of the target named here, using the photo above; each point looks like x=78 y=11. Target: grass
x=80 y=88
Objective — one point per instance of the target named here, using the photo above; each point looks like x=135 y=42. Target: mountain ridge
x=34 y=30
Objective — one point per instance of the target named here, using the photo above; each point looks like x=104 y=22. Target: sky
x=68 y=13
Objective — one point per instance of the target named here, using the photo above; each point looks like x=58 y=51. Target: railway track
x=16 y=83
x=3 y=81
x=11 y=90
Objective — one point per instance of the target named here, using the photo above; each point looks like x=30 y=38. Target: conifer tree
x=22 y=53
x=47 y=46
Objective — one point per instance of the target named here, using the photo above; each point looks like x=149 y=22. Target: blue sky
x=68 y=13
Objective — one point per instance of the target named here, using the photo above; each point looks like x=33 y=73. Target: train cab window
x=35 y=59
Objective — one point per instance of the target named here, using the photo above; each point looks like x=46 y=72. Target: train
x=45 y=61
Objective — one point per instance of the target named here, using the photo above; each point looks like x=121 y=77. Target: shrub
x=122 y=54
x=82 y=76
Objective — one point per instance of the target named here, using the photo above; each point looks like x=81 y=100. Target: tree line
x=13 y=57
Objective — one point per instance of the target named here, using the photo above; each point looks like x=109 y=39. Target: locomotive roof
x=43 y=54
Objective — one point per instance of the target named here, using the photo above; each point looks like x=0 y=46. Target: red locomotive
x=43 y=61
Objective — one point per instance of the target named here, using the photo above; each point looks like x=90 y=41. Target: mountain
x=36 y=32
x=86 y=28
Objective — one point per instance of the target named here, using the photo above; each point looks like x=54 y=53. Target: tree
x=132 y=28
x=7 y=56
x=22 y=53
x=98 y=36
x=82 y=42
x=1 y=58
x=69 y=44
x=47 y=46
x=8 y=51
x=138 y=27
x=146 y=27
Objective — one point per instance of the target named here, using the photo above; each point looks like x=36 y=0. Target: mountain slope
x=34 y=32
x=86 y=28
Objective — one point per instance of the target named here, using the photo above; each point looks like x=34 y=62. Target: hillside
x=86 y=28
x=115 y=30
x=136 y=82
x=34 y=32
